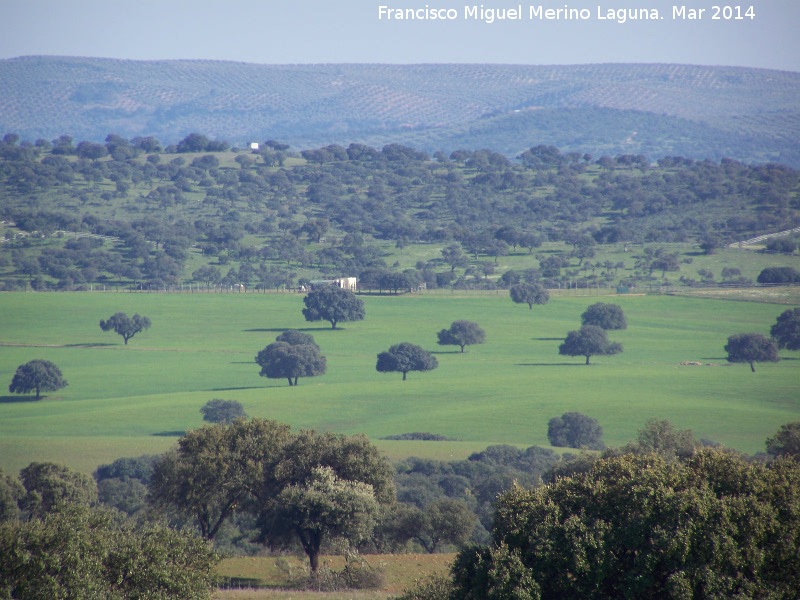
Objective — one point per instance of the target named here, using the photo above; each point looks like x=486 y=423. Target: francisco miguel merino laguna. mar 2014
x=619 y=15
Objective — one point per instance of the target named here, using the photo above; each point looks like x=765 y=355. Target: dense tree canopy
x=214 y=470
x=305 y=486
x=779 y=275
x=405 y=357
x=325 y=505
x=37 y=376
x=444 y=521
x=11 y=495
x=78 y=554
x=296 y=338
x=588 y=341
x=51 y=487
x=639 y=527
x=786 y=442
x=659 y=436
x=124 y=325
x=333 y=304
x=786 y=330
x=461 y=333
x=606 y=316
x=751 y=348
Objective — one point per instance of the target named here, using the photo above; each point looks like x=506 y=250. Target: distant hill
x=751 y=115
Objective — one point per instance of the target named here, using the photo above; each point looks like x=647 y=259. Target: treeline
x=272 y=216
x=594 y=518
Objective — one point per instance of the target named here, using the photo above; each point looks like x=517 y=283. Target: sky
x=357 y=31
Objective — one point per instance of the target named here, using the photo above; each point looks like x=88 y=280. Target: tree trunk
x=587 y=359
x=295 y=380
x=462 y=348
x=311 y=542
x=752 y=368
x=290 y=381
x=404 y=375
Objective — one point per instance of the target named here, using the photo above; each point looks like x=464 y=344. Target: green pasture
x=136 y=399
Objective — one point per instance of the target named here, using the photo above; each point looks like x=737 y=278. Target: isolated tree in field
x=606 y=316
x=405 y=357
x=751 y=348
x=530 y=294
x=786 y=442
x=588 y=341
x=281 y=360
x=222 y=411
x=575 y=430
x=333 y=304
x=462 y=333
x=786 y=331
x=37 y=376
x=124 y=325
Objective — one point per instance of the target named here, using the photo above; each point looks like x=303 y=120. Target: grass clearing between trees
x=400 y=572
x=137 y=399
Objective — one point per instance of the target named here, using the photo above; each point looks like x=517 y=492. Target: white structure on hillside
x=346 y=283
x=254 y=146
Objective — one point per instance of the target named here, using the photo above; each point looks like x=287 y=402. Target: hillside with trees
x=657 y=110
x=136 y=213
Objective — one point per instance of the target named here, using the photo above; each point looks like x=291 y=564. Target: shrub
x=779 y=275
x=436 y=587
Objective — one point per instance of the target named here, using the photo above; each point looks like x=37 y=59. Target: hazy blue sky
x=327 y=31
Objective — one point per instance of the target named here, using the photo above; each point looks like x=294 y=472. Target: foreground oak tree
x=641 y=527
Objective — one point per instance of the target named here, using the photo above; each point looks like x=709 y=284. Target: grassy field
x=400 y=571
x=136 y=399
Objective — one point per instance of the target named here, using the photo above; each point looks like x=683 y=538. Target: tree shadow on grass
x=561 y=339
x=282 y=329
x=180 y=433
x=552 y=365
x=13 y=399
x=90 y=345
x=233 y=389
x=448 y=352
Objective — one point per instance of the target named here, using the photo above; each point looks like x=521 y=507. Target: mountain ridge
x=693 y=110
